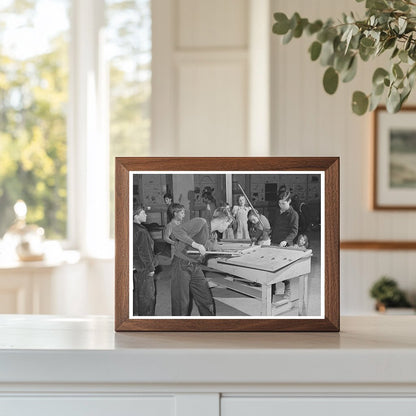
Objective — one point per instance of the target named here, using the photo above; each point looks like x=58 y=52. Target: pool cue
x=251 y=206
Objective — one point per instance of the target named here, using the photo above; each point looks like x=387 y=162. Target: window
x=129 y=44
x=75 y=87
x=33 y=99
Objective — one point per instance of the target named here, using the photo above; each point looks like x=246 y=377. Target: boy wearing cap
x=258 y=228
x=188 y=281
x=144 y=263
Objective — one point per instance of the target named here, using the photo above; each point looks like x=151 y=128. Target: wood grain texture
x=378 y=245
x=121 y=244
x=332 y=225
x=329 y=165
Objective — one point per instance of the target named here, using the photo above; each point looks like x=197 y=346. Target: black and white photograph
x=226 y=244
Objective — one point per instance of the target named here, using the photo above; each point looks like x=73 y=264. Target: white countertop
x=53 y=349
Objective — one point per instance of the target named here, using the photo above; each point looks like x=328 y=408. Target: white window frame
x=88 y=133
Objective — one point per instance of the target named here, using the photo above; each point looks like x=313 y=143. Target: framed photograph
x=395 y=159
x=227 y=244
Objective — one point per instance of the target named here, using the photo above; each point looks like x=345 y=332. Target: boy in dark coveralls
x=188 y=281
x=144 y=262
x=286 y=222
x=285 y=228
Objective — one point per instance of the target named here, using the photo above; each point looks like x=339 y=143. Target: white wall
x=217 y=63
x=308 y=122
x=200 y=77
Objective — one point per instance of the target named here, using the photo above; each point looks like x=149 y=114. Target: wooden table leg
x=303 y=295
x=266 y=300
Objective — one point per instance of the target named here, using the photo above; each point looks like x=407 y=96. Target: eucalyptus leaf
x=408 y=42
x=397 y=71
x=412 y=52
x=404 y=96
x=374 y=102
x=327 y=53
x=350 y=18
x=346 y=34
x=395 y=52
x=367 y=42
x=411 y=78
x=355 y=41
x=376 y=4
x=353 y=31
x=379 y=75
x=393 y=101
x=298 y=30
x=330 y=80
x=288 y=37
x=378 y=89
x=389 y=43
x=359 y=103
x=281 y=26
x=403 y=56
x=294 y=21
x=366 y=53
x=402 y=22
x=322 y=36
x=315 y=50
x=350 y=73
x=314 y=27
x=400 y=5
x=342 y=62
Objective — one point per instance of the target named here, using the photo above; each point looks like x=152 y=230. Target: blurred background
x=83 y=81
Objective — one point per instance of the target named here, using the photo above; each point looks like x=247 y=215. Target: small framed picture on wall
x=394 y=178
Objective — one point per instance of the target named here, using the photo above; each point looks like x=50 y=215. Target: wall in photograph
x=263 y=189
x=212 y=184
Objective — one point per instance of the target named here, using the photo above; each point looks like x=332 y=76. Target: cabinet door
x=88 y=406
x=273 y=406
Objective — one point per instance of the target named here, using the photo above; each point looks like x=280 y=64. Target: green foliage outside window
x=129 y=42
x=33 y=99
x=34 y=103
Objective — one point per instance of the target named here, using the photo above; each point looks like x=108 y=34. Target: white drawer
x=87 y=406
x=273 y=406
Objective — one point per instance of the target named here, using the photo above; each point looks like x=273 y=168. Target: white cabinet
x=323 y=406
x=53 y=365
x=88 y=406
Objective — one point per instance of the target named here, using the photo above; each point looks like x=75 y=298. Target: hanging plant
x=388 y=27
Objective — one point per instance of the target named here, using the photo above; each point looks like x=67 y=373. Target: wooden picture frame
x=394 y=158
x=324 y=168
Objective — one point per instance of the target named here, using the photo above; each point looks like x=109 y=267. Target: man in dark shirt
x=144 y=262
x=188 y=281
x=286 y=222
x=285 y=229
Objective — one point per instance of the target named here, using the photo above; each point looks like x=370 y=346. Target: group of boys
x=188 y=282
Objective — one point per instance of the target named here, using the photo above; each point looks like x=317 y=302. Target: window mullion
x=88 y=137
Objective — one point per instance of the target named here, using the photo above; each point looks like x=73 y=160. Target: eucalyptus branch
x=388 y=26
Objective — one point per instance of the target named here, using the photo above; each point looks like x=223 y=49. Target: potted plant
x=387 y=294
